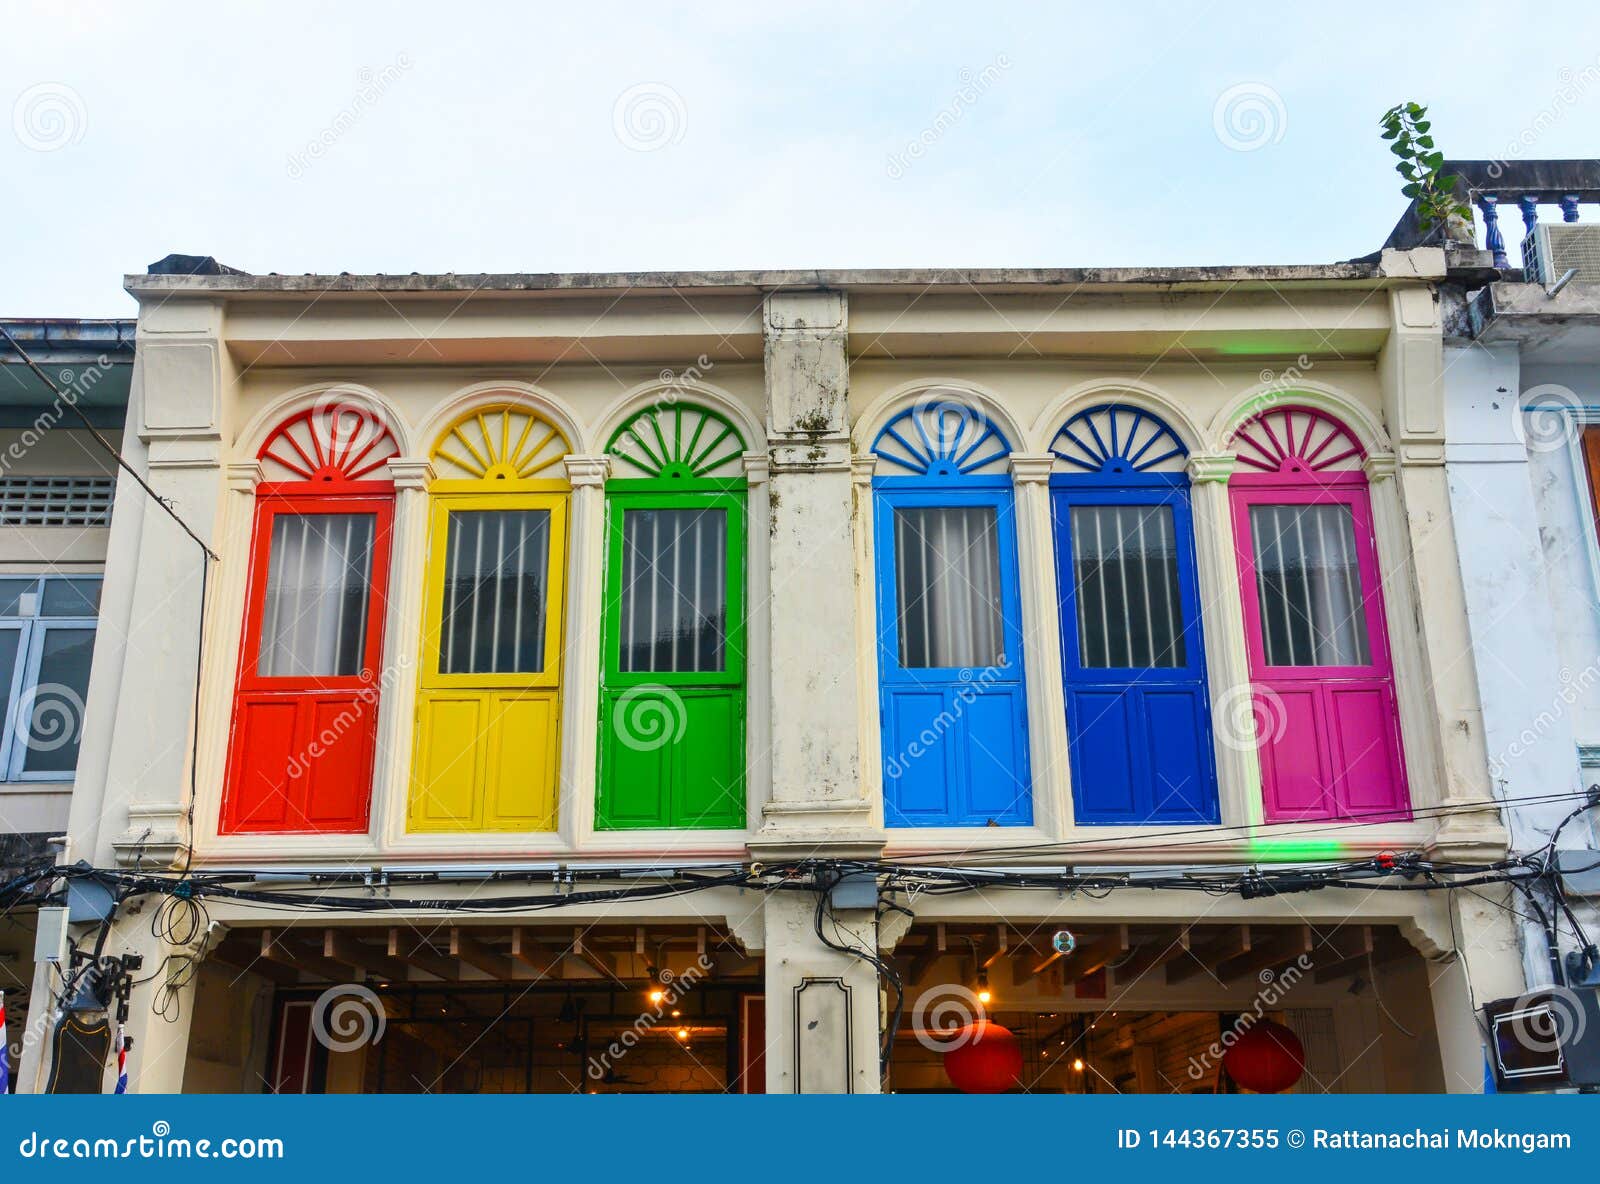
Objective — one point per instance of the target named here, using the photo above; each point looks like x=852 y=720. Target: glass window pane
x=53 y=727
x=496 y=567
x=947 y=569
x=19 y=596
x=1308 y=586
x=1125 y=568
x=77 y=597
x=10 y=647
x=674 y=611
x=314 y=614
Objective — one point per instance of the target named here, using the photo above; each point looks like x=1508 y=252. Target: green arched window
x=672 y=671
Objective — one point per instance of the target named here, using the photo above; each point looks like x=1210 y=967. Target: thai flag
x=5 y=1065
x=122 y=1062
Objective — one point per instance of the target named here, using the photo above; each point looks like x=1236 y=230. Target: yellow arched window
x=489 y=692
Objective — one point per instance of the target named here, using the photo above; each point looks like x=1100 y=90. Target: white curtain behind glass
x=947 y=572
x=314 y=619
x=1308 y=585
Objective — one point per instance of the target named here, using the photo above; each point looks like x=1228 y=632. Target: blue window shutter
x=953 y=711
x=1138 y=708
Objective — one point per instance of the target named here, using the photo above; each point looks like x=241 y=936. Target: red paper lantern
x=984 y=1058
x=1267 y=1058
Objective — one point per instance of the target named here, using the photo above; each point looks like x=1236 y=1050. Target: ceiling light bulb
x=1077 y=1064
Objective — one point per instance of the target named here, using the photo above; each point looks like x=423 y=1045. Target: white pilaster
x=1041 y=644
x=402 y=639
x=586 y=547
x=1233 y=720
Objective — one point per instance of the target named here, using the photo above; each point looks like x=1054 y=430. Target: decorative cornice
x=1379 y=467
x=244 y=475
x=586 y=470
x=410 y=472
x=757 y=467
x=1211 y=467
x=1032 y=468
x=863 y=468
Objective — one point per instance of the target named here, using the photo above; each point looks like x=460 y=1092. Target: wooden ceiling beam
x=466 y=946
x=527 y=949
x=1232 y=943
x=341 y=945
x=1273 y=947
x=279 y=946
x=581 y=951
x=1093 y=955
x=411 y=949
x=1152 y=955
x=248 y=960
x=1344 y=952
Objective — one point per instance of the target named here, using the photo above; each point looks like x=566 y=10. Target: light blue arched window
x=955 y=743
x=1138 y=714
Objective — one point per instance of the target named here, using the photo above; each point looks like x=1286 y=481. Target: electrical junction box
x=50 y=936
x=1548 y=1038
x=857 y=890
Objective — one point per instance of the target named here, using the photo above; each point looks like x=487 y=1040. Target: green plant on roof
x=1422 y=166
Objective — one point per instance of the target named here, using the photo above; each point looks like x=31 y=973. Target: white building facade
x=692 y=679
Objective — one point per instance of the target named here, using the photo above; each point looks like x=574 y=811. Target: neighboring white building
x=57 y=484
x=1522 y=403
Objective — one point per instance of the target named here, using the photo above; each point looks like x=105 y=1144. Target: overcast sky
x=335 y=136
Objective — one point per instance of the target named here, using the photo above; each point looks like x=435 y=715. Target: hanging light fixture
x=656 y=993
x=984 y=994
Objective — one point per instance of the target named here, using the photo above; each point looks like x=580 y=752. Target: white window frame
x=30 y=654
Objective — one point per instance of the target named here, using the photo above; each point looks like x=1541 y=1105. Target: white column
x=1041 y=644
x=818 y=798
x=1485 y=966
x=586 y=547
x=868 y=723
x=1233 y=719
x=823 y=1019
x=758 y=638
x=1421 y=529
x=402 y=639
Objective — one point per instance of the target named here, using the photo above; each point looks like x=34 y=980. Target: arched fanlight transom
x=681 y=441
x=335 y=441
x=505 y=443
x=1116 y=439
x=1290 y=440
x=941 y=438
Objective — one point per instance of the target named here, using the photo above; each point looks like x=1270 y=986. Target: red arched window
x=306 y=704
x=1320 y=668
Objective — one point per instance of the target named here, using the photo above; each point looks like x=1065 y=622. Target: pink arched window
x=1320 y=670
x=306 y=703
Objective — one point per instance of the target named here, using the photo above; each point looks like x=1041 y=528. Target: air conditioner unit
x=1554 y=248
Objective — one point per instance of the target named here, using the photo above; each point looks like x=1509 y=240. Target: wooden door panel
x=523 y=761
x=992 y=733
x=708 y=761
x=449 y=762
x=917 y=758
x=1366 y=774
x=339 y=737
x=1179 y=783
x=260 y=784
x=1294 y=764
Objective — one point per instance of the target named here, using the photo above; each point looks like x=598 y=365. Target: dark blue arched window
x=1138 y=714
x=955 y=743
